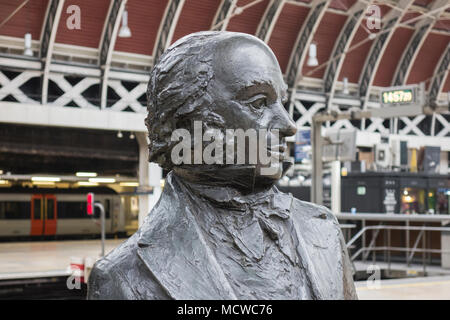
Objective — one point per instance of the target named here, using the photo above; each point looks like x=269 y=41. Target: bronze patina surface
x=224 y=231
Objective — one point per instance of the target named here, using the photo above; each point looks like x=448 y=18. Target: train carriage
x=47 y=213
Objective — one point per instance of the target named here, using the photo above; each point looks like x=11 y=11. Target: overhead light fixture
x=345 y=84
x=132 y=135
x=124 y=32
x=119 y=134
x=312 y=59
x=129 y=184
x=1 y=171
x=45 y=179
x=86 y=174
x=27 y=51
x=102 y=180
x=87 y=184
x=4 y=181
x=43 y=183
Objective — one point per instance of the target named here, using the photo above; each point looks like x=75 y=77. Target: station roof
x=154 y=21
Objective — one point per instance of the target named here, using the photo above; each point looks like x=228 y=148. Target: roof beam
x=269 y=19
x=167 y=28
x=392 y=20
x=107 y=44
x=48 y=35
x=342 y=46
x=440 y=74
x=301 y=46
x=421 y=32
x=223 y=15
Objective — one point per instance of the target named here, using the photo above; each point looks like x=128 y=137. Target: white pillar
x=336 y=187
x=150 y=175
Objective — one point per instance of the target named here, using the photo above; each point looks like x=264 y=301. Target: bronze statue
x=222 y=230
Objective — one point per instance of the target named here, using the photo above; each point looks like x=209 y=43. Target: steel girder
x=269 y=19
x=221 y=19
x=378 y=48
x=341 y=46
x=302 y=43
x=410 y=53
x=440 y=75
x=167 y=28
x=108 y=42
x=414 y=45
x=48 y=35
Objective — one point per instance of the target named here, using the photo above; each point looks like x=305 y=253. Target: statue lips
x=277 y=152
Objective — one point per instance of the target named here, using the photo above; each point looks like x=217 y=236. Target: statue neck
x=241 y=178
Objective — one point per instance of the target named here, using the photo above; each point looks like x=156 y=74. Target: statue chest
x=271 y=275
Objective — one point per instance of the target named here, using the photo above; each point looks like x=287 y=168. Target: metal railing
x=365 y=250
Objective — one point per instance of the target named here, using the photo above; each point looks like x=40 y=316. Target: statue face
x=249 y=91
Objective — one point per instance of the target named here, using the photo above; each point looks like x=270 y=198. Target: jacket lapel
x=174 y=250
x=319 y=250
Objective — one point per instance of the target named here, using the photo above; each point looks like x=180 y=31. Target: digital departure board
x=399 y=96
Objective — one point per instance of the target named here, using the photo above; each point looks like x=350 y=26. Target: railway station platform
x=24 y=260
x=422 y=288
x=27 y=260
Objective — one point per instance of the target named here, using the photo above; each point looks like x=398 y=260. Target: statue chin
x=246 y=178
x=265 y=177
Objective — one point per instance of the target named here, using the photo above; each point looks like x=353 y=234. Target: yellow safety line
x=403 y=285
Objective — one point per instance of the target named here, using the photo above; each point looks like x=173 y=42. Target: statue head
x=221 y=81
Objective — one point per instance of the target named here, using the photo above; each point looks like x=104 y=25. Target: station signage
x=397 y=96
x=402 y=95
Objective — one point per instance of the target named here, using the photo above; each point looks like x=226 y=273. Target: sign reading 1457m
x=399 y=96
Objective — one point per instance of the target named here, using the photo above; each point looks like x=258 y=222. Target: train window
x=107 y=208
x=72 y=210
x=14 y=210
x=77 y=210
x=50 y=209
x=37 y=209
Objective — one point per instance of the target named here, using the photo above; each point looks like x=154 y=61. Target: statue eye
x=258 y=102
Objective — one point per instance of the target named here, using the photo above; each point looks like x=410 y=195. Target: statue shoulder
x=310 y=210
x=317 y=224
x=107 y=279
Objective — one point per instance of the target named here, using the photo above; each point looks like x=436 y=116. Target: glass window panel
x=50 y=209
x=37 y=209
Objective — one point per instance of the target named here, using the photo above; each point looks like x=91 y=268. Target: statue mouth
x=277 y=151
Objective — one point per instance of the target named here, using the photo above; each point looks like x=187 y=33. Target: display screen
x=397 y=96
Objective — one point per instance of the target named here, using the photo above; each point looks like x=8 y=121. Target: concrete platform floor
x=424 y=288
x=31 y=259
x=38 y=259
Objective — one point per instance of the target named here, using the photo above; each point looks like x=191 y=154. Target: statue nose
x=283 y=122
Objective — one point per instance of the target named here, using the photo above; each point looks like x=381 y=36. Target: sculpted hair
x=177 y=91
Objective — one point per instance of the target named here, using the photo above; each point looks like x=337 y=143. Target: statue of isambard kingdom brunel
x=221 y=229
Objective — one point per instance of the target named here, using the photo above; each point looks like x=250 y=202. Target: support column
x=150 y=175
x=317 y=165
x=336 y=187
